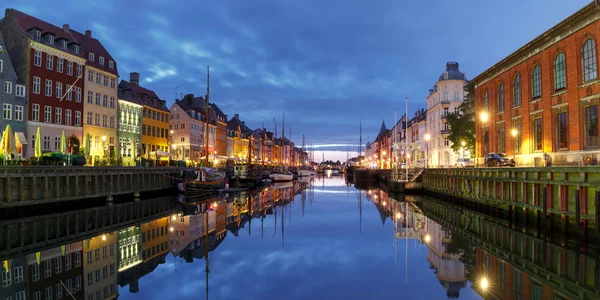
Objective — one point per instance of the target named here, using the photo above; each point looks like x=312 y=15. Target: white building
x=444 y=98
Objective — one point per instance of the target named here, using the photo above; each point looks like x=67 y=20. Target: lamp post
x=484 y=118
x=170 y=144
x=514 y=132
x=463 y=143
x=427 y=137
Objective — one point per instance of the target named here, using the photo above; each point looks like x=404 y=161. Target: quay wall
x=42 y=184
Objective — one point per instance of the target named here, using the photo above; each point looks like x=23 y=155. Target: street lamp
x=514 y=132
x=463 y=143
x=427 y=137
x=484 y=118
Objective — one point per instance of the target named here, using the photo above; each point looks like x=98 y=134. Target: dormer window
x=111 y=64
x=101 y=60
x=63 y=44
x=145 y=98
x=91 y=56
x=37 y=35
x=76 y=49
x=50 y=39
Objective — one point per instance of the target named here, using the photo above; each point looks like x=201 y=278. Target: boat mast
x=262 y=154
x=360 y=140
x=207 y=108
x=282 y=140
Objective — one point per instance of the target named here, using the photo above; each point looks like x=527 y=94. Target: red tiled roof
x=27 y=22
x=138 y=90
x=91 y=44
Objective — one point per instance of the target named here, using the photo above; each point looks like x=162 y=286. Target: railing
x=445 y=102
x=445 y=131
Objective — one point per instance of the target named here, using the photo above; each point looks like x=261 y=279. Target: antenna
x=176 y=90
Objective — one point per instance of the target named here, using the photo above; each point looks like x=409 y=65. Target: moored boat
x=306 y=173
x=282 y=177
x=201 y=179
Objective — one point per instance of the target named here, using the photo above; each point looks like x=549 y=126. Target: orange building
x=221 y=136
x=547 y=93
x=155 y=238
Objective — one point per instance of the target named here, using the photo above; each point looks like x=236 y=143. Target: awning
x=20 y=138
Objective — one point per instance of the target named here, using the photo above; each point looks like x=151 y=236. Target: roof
x=452 y=72
x=91 y=44
x=533 y=44
x=218 y=111
x=138 y=90
x=246 y=131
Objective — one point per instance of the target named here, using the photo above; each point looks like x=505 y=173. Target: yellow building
x=99 y=97
x=155 y=238
x=155 y=116
x=100 y=266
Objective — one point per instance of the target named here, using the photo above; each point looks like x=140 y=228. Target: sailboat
x=283 y=176
x=306 y=171
x=203 y=178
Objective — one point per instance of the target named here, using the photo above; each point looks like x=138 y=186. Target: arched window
x=589 y=60
x=501 y=97
x=560 y=79
x=536 y=82
x=517 y=91
x=485 y=101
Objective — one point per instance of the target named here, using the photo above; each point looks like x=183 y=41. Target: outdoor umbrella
x=63 y=143
x=87 y=145
x=8 y=143
x=37 y=148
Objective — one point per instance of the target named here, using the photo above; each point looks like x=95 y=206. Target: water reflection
x=291 y=240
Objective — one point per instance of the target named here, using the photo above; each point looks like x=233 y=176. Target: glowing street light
x=484 y=117
x=427 y=138
x=514 y=132
x=484 y=283
x=463 y=143
x=427 y=238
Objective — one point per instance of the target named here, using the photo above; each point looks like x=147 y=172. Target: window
x=20 y=295
x=445 y=96
x=37 y=58
x=105 y=101
x=112 y=122
x=7 y=111
x=76 y=49
x=90 y=115
x=20 y=90
x=59 y=289
x=561 y=131
x=101 y=60
x=112 y=102
x=589 y=60
x=6 y=278
x=59 y=64
x=90 y=278
x=8 y=87
x=111 y=64
x=77 y=118
x=67 y=117
x=104 y=121
x=90 y=97
x=97 y=99
x=97 y=275
x=485 y=101
x=48 y=293
x=79 y=70
x=456 y=98
x=537 y=135
x=591 y=126
x=97 y=78
x=69 y=284
x=46 y=142
x=97 y=120
x=105 y=272
x=77 y=254
x=112 y=250
x=69 y=67
x=501 y=139
x=58 y=115
x=69 y=92
x=58 y=260
x=446 y=142
x=501 y=97
x=48 y=87
x=105 y=80
x=91 y=75
x=18 y=112
x=68 y=256
x=111 y=269
x=91 y=56
x=78 y=282
x=50 y=39
x=560 y=78
x=18 y=274
x=48 y=263
x=77 y=94
x=36 y=85
x=536 y=291
x=1 y=65
x=59 y=90
x=49 y=62
x=536 y=82
x=35 y=272
x=113 y=83
x=37 y=296
x=35 y=112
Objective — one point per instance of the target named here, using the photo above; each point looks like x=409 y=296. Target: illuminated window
x=562 y=129
x=591 y=126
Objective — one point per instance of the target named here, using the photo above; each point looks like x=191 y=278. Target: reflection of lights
x=104 y=237
x=398 y=215
x=369 y=192
x=484 y=283
x=384 y=203
x=427 y=238
x=173 y=217
x=171 y=229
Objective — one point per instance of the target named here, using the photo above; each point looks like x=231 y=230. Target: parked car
x=464 y=163
x=498 y=160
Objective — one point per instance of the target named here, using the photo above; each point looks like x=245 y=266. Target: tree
x=461 y=245
x=462 y=122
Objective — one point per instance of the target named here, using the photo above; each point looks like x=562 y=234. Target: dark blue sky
x=326 y=64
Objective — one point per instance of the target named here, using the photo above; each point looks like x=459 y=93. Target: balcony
x=445 y=102
x=444 y=117
x=445 y=131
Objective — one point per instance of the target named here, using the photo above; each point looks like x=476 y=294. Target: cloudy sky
x=326 y=64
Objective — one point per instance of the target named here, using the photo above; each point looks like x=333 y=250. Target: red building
x=50 y=60
x=547 y=93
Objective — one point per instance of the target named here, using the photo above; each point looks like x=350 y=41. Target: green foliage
x=462 y=123
x=462 y=246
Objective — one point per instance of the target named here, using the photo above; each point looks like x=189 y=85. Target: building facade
x=444 y=98
x=49 y=60
x=155 y=238
x=155 y=115
x=13 y=93
x=129 y=244
x=548 y=92
x=13 y=274
x=100 y=266
x=100 y=90
x=188 y=124
x=129 y=130
x=221 y=133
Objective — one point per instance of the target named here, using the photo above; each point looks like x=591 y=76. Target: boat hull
x=195 y=185
x=307 y=173
x=282 y=177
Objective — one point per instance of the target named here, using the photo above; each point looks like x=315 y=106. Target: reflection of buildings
x=14 y=278
x=48 y=270
x=130 y=246
x=155 y=238
x=99 y=266
x=449 y=270
x=132 y=275
x=185 y=229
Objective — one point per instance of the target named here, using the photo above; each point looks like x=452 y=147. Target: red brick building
x=50 y=60
x=548 y=91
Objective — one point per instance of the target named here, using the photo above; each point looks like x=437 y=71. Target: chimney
x=237 y=116
x=88 y=33
x=134 y=78
x=66 y=28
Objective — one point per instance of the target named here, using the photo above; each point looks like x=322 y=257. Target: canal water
x=316 y=239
